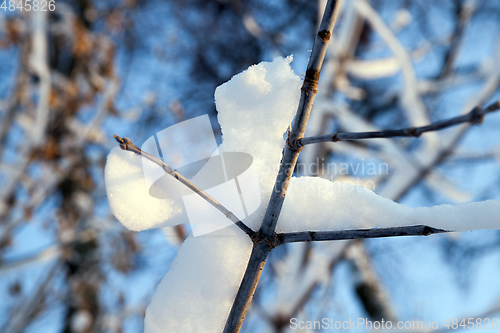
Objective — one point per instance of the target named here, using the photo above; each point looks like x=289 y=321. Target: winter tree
x=254 y=109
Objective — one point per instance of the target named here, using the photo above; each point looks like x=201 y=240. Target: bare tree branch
x=475 y=116
x=126 y=144
x=368 y=286
x=311 y=236
x=38 y=61
x=464 y=14
x=43 y=255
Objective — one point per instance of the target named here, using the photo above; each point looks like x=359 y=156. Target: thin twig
x=311 y=236
x=475 y=116
x=126 y=144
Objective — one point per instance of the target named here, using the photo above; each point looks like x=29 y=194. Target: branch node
x=275 y=242
x=311 y=81
x=255 y=237
x=324 y=35
x=413 y=132
x=280 y=239
x=426 y=231
x=295 y=145
x=476 y=115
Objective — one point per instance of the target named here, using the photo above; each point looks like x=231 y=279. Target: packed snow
x=317 y=204
x=255 y=109
x=128 y=193
x=197 y=292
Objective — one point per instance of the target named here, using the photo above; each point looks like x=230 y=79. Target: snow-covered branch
x=266 y=234
x=475 y=116
x=226 y=266
x=126 y=144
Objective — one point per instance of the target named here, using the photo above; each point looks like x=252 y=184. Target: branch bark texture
x=310 y=236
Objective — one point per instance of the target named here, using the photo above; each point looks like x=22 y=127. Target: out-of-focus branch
x=464 y=14
x=126 y=144
x=9 y=112
x=63 y=168
x=21 y=316
x=475 y=116
x=409 y=96
x=49 y=253
x=369 y=289
x=308 y=267
x=39 y=63
x=430 y=158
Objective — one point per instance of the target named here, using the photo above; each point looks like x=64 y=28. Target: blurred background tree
x=73 y=77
